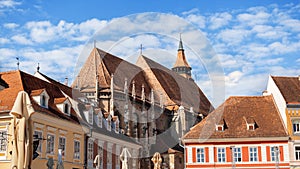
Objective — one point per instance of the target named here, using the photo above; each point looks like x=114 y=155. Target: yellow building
x=56 y=122
x=286 y=93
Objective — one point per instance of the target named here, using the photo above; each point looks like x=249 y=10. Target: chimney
x=66 y=81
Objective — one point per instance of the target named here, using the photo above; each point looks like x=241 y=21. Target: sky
x=241 y=42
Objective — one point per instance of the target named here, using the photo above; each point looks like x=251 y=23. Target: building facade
x=244 y=132
x=55 y=123
x=286 y=92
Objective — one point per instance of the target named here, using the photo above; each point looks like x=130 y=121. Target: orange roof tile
x=234 y=111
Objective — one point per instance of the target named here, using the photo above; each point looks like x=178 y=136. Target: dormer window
x=100 y=118
x=219 y=127
x=251 y=126
x=108 y=127
x=63 y=104
x=88 y=113
x=41 y=97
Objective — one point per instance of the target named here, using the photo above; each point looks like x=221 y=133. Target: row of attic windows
x=251 y=126
x=42 y=98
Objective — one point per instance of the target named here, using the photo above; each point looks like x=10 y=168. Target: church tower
x=181 y=65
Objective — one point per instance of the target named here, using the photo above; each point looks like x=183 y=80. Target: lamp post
x=276 y=151
x=232 y=156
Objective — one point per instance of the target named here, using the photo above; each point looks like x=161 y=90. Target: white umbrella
x=156 y=159
x=60 y=164
x=22 y=132
x=124 y=157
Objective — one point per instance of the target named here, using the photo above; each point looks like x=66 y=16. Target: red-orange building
x=244 y=132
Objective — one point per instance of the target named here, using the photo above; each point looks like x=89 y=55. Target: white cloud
x=233 y=36
x=219 y=20
x=10 y=25
x=4 y=40
x=198 y=20
x=233 y=78
x=258 y=17
x=9 y=3
x=21 y=40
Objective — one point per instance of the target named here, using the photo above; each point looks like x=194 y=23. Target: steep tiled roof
x=289 y=88
x=176 y=89
x=37 y=92
x=108 y=65
x=18 y=81
x=236 y=112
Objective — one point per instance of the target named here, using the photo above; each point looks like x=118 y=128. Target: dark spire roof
x=180 y=47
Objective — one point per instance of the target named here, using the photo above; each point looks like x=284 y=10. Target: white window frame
x=221 y=154
x=200 y=155
x=50 y=142
x=297 y=153
x=63 y=148
x=296 y=126
x=76 y=149
x=39 y=134
x=237 y=155
x=253 y=154
x=219 y=126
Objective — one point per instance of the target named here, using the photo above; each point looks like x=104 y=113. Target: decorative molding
x=38 y=125
x=49 y=128
x=64 y=132
x=77 y=136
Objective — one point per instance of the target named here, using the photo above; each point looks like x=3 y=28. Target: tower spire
x=181 y=65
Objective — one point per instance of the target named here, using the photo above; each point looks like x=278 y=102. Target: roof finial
x=141 y=49
x=38 y=67
x=18 y=63
x=180 y=43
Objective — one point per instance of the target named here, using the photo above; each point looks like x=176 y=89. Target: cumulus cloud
x=219 y=20
x=9 y=3
x=10 y=25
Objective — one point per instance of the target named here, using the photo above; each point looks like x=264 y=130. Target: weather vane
x=18 y=63
x=141 y=49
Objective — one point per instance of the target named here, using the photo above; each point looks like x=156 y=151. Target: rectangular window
x=253 y=154
x=39 y=135
x=90 y=149
x=200 y=155
x=221 y=155
x=90 y=119
x=297 y=152
x=296 y=126
x=100 y=153
x=3 y=140
x=237 y=154
x=50 y=144
x=274 y=154
x=62 y=145
x=76 y=149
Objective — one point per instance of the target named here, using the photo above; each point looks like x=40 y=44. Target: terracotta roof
x=108 y=64
x=37 y=92
x=176 y=89
x=59 y=100
x=21 y=81
x=234 y=111
x=289 y=88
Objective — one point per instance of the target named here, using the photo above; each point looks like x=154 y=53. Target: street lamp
x=276 y=151
x=232 y=148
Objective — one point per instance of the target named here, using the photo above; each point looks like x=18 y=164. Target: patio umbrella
x=125 y=154
x=60 y=164
x=22 y=132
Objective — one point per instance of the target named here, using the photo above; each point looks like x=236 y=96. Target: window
x=100 y=153
x=221 y=155
x=76 y=149
x=297 y=152
x=253 y=154
x=62 y=145
x=200 y=155
x=43 y=100
x=251 y=126
x=39 y=135
x=237 y=154
x=100 y=117
x=296 y=126
x=66 y=108
x=109 y=123
x=274 y=153
x=219 y=127
x=117 y=126
x=3 y=140
x=50 y=144
x=90 y=149
x=90 y=116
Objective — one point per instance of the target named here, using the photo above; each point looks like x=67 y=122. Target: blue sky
x=250 y=39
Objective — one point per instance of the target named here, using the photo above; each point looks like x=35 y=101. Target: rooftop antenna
x=38 y=67
x=18 y=63
x=141 y=49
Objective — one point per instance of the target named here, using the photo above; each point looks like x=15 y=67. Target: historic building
x=55 y=123
x=145 y=101
x=286 y=93
x=243 y=132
